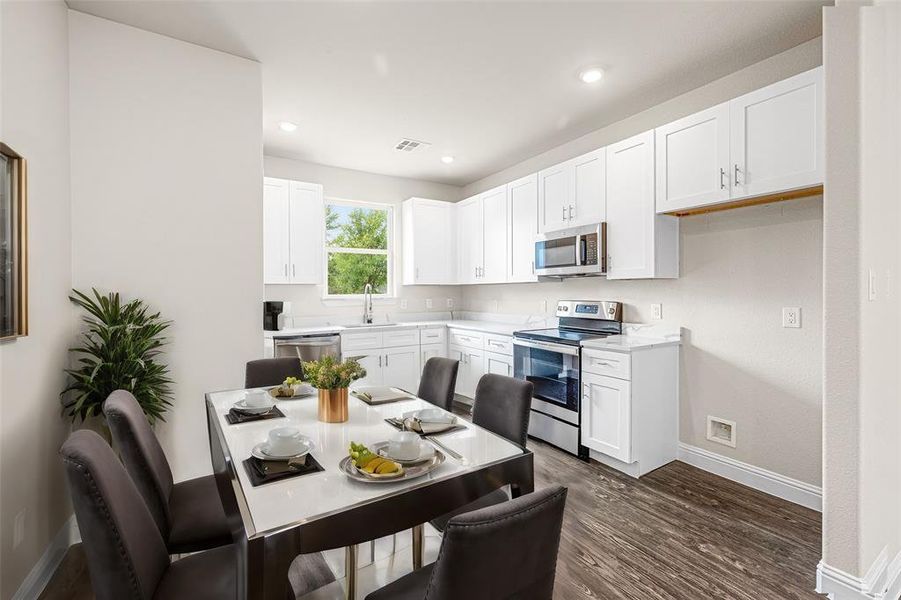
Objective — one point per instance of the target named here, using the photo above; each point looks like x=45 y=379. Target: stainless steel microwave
x=574 y=252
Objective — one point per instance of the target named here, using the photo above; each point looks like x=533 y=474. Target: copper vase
x=333 y=405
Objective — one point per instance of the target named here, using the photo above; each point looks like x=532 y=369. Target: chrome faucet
x=367 y=303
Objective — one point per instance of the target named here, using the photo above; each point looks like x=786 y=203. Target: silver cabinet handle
x=286 y=269
x=722 y=179
x=736 y=175
x=533 y=267
x=386 y=360
x=380 y=362
x=477 y=272
x=570 y=212
x=293 y=270
x=417 y=274
x=564 y=213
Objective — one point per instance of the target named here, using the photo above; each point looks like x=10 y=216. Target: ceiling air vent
x=408 y=145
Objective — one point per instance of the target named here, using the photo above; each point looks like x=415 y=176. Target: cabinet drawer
x=469 y=339
x=360 y=341
x=407 y=337
x=611 y=364
x=433 y=335
x=499 y=343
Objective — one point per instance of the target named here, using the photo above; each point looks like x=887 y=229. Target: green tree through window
x=357 y=248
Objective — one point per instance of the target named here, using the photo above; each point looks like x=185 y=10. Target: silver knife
x=451 y=452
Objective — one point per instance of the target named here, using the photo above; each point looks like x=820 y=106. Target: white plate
x=241 y=405
x=260 y=451
x=426 y=452
x=444 y=419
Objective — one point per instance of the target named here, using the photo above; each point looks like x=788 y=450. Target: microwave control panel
x=591 y=249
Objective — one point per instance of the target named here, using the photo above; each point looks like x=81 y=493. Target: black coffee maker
x=271 y=312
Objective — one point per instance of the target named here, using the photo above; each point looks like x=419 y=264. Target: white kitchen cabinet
x=606 y=416
x=522 y=216
x=428 y=351
x=429 y=242
x=693 y=160
x=573 y=193
x=499 y=364
x=469 y=239
x=470 y=370
x=373 y=365
x=401 y=367
x=494 y=235
x=292 y=232
x=777 y=137
x=640 y=243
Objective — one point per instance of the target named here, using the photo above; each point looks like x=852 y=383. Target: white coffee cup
x=404 y=445
x=257 y=398
x=434 y=415
x=285 y=441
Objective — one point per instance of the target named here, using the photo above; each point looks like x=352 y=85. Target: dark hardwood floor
x=678 y=533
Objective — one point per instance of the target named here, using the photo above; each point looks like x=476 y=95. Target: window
x=13 y=252
x=357 y=248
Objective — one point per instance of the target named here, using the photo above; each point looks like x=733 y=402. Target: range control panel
x=612 y=311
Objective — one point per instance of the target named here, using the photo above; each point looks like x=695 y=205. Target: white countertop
x=307 y=497
x=628 y=343
x=472 y=325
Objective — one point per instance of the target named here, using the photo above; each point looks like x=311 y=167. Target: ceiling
x=491 y=83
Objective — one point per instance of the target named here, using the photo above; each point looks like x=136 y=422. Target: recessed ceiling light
x=287 y=126
x=447 y=159
x=592 y=75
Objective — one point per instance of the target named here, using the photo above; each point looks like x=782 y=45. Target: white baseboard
x=763 y=480
x=40 y=574
x=881 y=582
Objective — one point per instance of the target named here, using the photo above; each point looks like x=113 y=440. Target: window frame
x=388 y=252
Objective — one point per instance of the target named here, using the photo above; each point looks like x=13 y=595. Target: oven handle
x=569 y=350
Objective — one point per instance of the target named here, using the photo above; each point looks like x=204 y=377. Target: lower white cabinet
x=373 y=365
x=606 y=416
x=427 y=351
x=471 y=369
x=499 y=364
x=397 y=367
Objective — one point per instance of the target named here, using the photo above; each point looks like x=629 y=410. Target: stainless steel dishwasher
x=307 y=347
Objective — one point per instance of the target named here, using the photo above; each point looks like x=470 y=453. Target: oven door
x=553 y=370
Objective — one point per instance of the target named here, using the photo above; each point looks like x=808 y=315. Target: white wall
x=739 y=268
x=166 y=203
x=356 y=185
x=34 y=121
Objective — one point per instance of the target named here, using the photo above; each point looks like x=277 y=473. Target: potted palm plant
x=331 y=378
x=119 y=350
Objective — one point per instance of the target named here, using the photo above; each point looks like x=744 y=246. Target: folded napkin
x=381 y=394
x=267 y=471
x=235 y=416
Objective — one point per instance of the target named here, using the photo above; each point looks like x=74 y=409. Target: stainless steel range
x=551 y=360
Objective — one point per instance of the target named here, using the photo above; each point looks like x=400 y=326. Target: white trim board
x=43 y=570
x=805 y=494
x=881 y=582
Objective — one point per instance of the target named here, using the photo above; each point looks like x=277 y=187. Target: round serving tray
x=410 y=471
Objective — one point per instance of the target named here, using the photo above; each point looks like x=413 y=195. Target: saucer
x=443 y=419
x=241 y=405
x=261 y=451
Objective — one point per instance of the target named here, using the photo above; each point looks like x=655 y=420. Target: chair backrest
x=503 y=405
x=125 y=551
x=141 y=453
x=271 y=371
x=504 y=551
x=439 y=378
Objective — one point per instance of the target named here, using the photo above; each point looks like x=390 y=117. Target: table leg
x=350 y=572
x=417 y=546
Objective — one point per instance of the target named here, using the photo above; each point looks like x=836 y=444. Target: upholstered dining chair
x=503 y=551
x=189 y=514
x=439 y=378
x=127 y=557
x=502 y=405
x=271 y=371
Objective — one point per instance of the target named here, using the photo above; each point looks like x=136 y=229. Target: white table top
x=307 y=497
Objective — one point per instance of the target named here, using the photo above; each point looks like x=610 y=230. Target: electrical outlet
x=19 y=529
x=428 y=303
x=657 y=310
x=721 y=431
x=871 y=286
x=403 y=304
x=450 y=302
x=791 y=316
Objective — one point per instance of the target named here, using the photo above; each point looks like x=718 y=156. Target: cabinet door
x=458 y=353
x=306 y=225
x=777 y=136
x=275 y=231
x=494 y=222
x=469 y=219
x=428 y=242
x=693 y=160
x=607 y=416
x=401 y=368
x=522 y=215
x=498 y=364
x=630 y=208
x=372 y=362
x=475 y=367
x=555 y=194
x=589 y=203
x=426 y=352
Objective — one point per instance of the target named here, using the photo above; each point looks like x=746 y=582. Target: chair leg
x=350 y=572
x=372 y=552
x=417 y=546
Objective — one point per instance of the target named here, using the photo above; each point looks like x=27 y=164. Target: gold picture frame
x=13 y=244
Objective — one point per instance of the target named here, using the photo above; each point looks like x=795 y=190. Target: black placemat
x=399 y=425
x=234 y=417
x=278 y=470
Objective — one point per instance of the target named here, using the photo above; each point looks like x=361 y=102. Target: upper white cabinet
x=494 y=235
x=469 y=239
x=640 y=243
x=292 y=231
x=693 y=160
x=429 y=242
x=777 y=136
x=522 y=215
x=762 y=143
x=572 y=193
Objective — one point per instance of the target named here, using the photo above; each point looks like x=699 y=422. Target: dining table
x=272 y=523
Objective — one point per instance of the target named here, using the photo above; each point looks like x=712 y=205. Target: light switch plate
x=403 y=304
x=657 y=311
x=450 y=302
x=791 y=316
x=428 y=303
